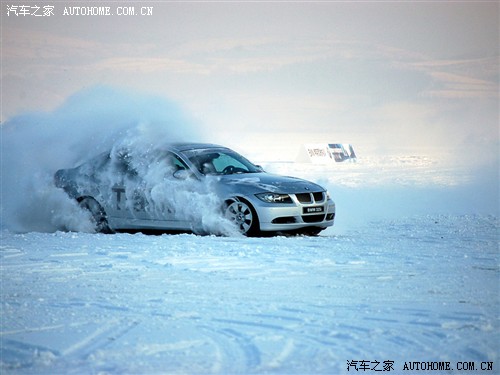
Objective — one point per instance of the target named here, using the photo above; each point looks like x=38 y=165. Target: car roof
x=185 y=146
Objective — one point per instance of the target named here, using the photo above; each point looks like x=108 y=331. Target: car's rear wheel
x=97 y=214
x=243 y=215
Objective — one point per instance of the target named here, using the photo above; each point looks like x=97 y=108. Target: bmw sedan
x=169 y=188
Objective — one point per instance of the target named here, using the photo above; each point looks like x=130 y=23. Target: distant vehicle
x=116 y=188
x=326 y=153
x=341 y=152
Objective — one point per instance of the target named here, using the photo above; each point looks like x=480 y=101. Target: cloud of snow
x=35 y=145
x=98 y=119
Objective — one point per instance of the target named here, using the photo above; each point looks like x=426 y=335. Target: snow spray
x=92 y=121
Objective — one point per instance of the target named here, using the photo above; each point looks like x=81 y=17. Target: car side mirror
x=182 y=174
x=259 y=167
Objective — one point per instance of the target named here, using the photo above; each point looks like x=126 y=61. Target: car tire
x=243 y=215
x=97 y=214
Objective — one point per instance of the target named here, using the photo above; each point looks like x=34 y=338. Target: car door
x=125 y=189
x=140 y=197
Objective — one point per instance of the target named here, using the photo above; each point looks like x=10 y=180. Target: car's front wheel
x=97 y=214
x=243 y=215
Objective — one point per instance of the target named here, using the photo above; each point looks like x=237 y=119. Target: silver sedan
x=162 y=189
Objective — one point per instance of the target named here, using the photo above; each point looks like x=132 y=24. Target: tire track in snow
x=99 y=339
x=283 y=356
x=234 y=351
x=251 y=353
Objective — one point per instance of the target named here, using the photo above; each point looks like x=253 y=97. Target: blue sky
x=265 y=77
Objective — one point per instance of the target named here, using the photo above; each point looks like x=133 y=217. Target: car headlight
x=274 y=198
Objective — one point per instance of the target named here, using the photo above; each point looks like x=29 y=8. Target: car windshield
x=221 y=161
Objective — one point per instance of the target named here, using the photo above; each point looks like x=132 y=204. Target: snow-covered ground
x=410 y=272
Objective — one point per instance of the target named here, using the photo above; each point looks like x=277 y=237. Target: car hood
x=266 y=182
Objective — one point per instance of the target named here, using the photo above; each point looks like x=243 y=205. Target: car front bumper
x=293 y=216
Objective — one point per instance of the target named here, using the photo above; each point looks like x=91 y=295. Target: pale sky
x=265 y=77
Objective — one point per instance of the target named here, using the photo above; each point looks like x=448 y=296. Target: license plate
x=313 y=210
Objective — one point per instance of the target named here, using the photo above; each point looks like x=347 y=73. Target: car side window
x=173 y=163
x=178 y=164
